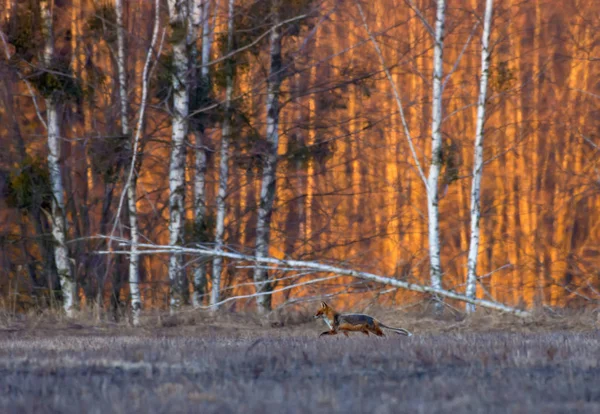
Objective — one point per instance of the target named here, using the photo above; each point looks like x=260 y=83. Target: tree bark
x=267 y=190
x=131 y=183
x=478 y=158
x=435 y=270
x=207 y=38
x=177 y=19
x=134 y=258
x=122 y=69
x=107 y=267
x=224 y=163
x=301 y=264
x=57 y=216
x=200 y=18
x=200 y=214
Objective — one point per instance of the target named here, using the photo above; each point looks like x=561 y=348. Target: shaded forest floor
x=234 y=363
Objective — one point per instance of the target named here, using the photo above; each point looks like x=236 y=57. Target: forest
x=258 y=154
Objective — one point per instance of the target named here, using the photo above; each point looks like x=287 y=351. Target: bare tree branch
x=414 y=8
x=140 y=123
x=21 y=77
x=397 y=96
x=459 y=58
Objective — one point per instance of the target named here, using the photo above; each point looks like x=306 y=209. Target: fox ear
x=323 y=305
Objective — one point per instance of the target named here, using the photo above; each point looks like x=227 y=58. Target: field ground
x=228 y=364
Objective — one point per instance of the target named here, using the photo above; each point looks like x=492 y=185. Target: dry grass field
x=232 y=363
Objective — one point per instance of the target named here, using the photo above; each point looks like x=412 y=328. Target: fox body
x=352 y=322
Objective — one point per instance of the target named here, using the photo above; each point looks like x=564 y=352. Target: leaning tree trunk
x=267 y=190
x=57 y=216
x=224 y=163
x=435 y=264
x=177 y=20
x=478 y=158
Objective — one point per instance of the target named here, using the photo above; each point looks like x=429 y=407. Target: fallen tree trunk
x=320 y=267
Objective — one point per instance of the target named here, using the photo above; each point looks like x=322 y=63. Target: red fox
x=352 y=322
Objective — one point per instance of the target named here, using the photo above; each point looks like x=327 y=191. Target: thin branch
x=21 y=77
x=264 y=293
x=138 y=132
x=586 y=92
x=397 y=96
x=253 y=43
x=589 y=141
x=414 y=8
x=458 y=59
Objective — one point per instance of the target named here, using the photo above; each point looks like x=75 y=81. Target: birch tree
x=177 y=21
x=200 y=16
x=207 y=37
x=224 y=161
x=267 y=189
x=134 y=258
x=131 y=178
x=435 y=264
x=122 y=69
x=430 y=182
x=478 y=157
x=57 y=215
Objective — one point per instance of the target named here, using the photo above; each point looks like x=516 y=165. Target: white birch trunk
x=207 y=38
x=194 y=22
x=131 y=180
x=436 y=151
x=199 y=271
x=478 y=158
x=195 y=18
x=121 y=68
x=59 y=225
x=267 y=190
x=200 y=17
x=224 y=164
x=134 y=258
x=177 y=20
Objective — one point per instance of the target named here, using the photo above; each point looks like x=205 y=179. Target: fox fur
x=352 y=322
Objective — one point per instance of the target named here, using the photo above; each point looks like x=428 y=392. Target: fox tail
x=399 y=331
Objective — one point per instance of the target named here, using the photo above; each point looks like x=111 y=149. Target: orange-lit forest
x=347 y=189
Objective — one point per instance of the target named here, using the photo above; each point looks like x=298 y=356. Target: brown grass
x=226 y=363
x=294 y=322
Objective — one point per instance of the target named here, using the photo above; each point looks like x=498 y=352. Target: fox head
x=322 y=311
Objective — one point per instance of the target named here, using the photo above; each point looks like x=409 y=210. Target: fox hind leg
x=376 y=330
